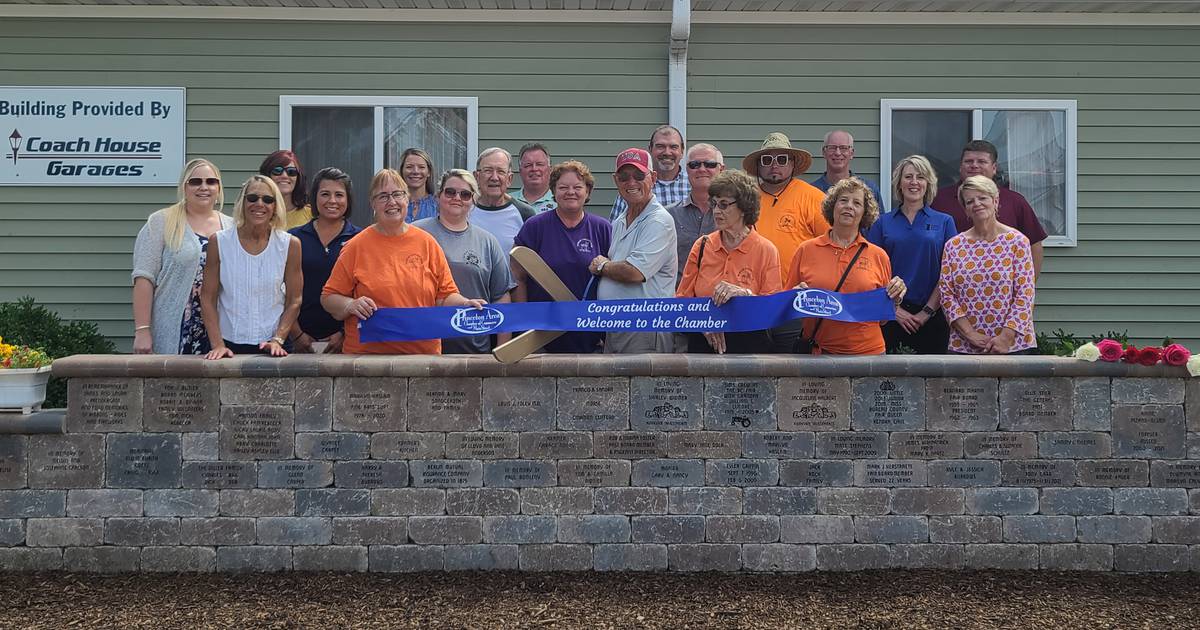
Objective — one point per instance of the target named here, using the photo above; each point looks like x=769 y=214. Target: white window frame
x=471 y=103
x=976 y=106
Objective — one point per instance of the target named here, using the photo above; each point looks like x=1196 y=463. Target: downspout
x=681 y=30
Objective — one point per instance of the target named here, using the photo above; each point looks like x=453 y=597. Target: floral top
x=991 y=282
x=193 y=337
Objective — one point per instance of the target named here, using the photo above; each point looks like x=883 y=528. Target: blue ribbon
x=645 y=315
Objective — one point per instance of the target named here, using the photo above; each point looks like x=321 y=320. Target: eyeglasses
x=253 y=198
x=715 y=204
x=291 y=171
x=838 y=148
x=489 y=172
x=464 y=195
x=782 y=159
x=396 y=195
x=695 y=164
x=195 y=182
x=634 y=174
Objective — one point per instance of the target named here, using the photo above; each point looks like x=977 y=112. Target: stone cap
x=115 y=365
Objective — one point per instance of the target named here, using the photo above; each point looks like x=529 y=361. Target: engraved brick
x=66 y=461
x=667 y=529
x=1001 y=557
x=1147 y=391
x=926 y=445
x=555 y=557
x=481 y=557
x=741 y=472
x=258 y=391
x=622 y=557
x=630 y=445
x=333 y=502
x=853 y=501
x=816 y=473
x=1112 y=472
x=295 y=530
x=852 y=445
x=1039 y=529
x=144 y=460
x=446 y=473
x=1065 y=557
x=217 y=531
x=668 y=472
x=1001 y=445
x=370 y=404
x=964 y=473
x=778 y=445
x=314 y=403
x=1093 y=404
x=405 y=558
x=522 y=529
x=445 y=404
x=14 y=456
x=928 y=501
x=1150 y=501
x=962 y=404
x=257 y=503
x=1149 y=431
x=592 y=529
x=1002 y=501
x=203 y=447
x=742 y=529
x=1074 y=444
x=256 y=559
x=927 y=556
x=295 y=474
x=888 y=404
x=32 y=503
x=445 y=530
x=1115 y=529
x=704 y=501
x=965 y=529
x=178 y=560
x=64 y=532
x=408 y=446
x=816 y=529
x=141 y=532
x=102 y=559
x=483 y=502
x=704 y=557
x=1177 y=474
x=780 y=500
x=104 y=405
x=556 y=501
x=1038 y=473
x=891 y=529
x=704 y=444
x=777 y=558
x=593 y=404
x=1172 y=529
x=555 y=444
x=1150 y=558
x=219 y=475
x=631 y=501
x=181 y=405
x=481 y=445
x=666 y=403
x=104 y=502
x=332 y=445
x=890 y=473
x=370 y=474
x=1036 y=404
x=339 y=558
x=519 y=473
x=813 y=404
x=1077 y=501
x=181 y=502
x=257 y=432
x=852 y=557
x=736 y=404
x=408 y=501
x=518 y=403
x=594 y=472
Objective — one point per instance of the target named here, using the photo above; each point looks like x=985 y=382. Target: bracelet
x=141 y=328
x=278 y=340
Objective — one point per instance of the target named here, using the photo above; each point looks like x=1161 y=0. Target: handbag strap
x=700 y=256
x=841 y=281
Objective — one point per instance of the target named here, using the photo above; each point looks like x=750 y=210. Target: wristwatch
x=600 y=268
x=928 y=311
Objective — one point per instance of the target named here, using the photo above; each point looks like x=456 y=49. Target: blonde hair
x=462 y=174
x=923 y=168
x=175 y=215
x=385 y=175
x=278 y=220
x=982 y=184
x=851 y=185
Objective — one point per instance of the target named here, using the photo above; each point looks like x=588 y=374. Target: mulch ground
x=884 y=599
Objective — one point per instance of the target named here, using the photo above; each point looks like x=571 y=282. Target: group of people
x=289 y=271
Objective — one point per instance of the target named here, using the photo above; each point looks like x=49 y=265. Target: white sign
x=79 y=136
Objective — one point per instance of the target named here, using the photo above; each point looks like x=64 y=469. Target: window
x=362 y=134
x=1035 y=140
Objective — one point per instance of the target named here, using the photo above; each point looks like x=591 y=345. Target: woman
x=284 y=168
x=987 y=279
x=822 y=262
x=389 y=264
x=734 y=260
x=567 y=239
x=321 y=242
x=914 y=235
x=477 y=263
x=417 y=168
x=252 y=280
x=168 y=265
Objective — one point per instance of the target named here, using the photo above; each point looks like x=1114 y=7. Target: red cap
x=637 y=157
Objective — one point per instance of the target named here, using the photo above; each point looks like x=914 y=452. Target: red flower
x=1176 y=354
x=1130 y=355
x=1150 y=355
x=1110 y=349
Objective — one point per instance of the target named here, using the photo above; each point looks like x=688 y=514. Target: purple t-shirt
x=568 y=252
x=1014 y=211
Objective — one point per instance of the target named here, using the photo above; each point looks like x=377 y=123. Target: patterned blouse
x=991 y=282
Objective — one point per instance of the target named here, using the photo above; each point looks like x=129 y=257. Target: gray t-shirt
x=480 y=270
x=503 y=222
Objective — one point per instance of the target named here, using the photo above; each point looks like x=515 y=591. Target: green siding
x=591 y=90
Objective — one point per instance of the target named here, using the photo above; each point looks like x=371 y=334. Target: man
x=790 y=208
x=641 y=260
x=495 y=210
x=534 y=163
x=693 y=216
x=838 y=151
x=666 y=146
x=979 y=157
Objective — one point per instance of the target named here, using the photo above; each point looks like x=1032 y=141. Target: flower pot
x=23 y=389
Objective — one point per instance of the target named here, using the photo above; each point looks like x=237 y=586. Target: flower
x=17 y=357
x=1193 y=365
x=1176 y=354
x=1087 y=352
x=1110 y=349
x=1130 y=355
x=1149 y=355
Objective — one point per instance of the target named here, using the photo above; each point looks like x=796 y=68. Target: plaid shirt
x=668 y=193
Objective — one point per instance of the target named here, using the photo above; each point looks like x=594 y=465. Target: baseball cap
x=637 y=157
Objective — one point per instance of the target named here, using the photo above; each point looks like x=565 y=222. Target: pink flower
x=1110 y=350
x=1130 y=355
x=1150 y=355
x=1176 y=354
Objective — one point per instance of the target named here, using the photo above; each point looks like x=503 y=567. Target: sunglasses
x=634 y=174
x=781 y=159
x=253 y=198
x=291 y=171
x=695 y=164
x=465 y=195
x=197 y=181
x=715 y=204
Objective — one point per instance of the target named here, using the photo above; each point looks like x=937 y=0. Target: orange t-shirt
x=820 y=264
x=753 y=264
x=792 y=217
x=404 y=271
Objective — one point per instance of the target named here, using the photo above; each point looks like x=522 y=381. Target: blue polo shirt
x=823 y=185
x=915 y=248
x=316 y=262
